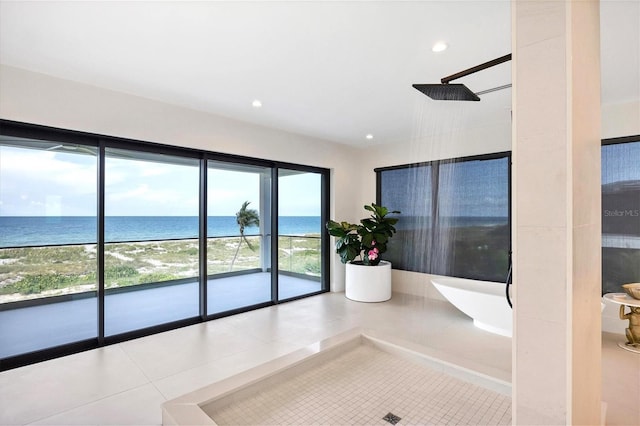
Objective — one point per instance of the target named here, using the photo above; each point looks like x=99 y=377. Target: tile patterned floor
x=125 y=384
x=366 y=386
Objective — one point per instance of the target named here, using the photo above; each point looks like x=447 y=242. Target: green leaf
x=380 y=210
x=367 y=239
x=352 y=239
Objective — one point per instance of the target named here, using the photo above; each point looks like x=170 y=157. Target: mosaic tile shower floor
x=361 y=387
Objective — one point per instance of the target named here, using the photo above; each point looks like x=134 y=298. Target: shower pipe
x=459 y=92
x=472 y=70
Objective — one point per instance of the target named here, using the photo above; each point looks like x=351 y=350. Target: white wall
x=621 y=119
x=40 y=99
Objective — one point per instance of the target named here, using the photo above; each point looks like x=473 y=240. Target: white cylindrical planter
x=368 y=283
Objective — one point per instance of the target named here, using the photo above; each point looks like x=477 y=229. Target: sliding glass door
x=48 y=268
x=151 y=247
x=299 y=233
x=238 y=236
x=104 y=239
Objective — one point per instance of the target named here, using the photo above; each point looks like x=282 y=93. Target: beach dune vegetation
x=35 y=272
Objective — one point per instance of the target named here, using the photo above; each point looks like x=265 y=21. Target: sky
x=50 y=183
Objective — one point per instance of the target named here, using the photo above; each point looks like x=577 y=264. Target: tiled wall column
x=556 y=212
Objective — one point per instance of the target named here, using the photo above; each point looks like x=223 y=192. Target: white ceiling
x=333 y=70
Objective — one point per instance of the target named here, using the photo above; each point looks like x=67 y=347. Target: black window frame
x=435 y=165
x=102 y=142
x=608 y=142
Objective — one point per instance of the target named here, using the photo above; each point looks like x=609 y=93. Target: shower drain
x=391 y=418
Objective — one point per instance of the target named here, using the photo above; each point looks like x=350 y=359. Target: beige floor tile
x=195 y=378
x=109 y=383
x=41 y=390
x=162 y=355
x=139 y=406
x=620 y=382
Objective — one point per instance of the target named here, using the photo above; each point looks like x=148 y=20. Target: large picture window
x=409 y=190
x=454 y=216
x=620 y=213
x=103 y=239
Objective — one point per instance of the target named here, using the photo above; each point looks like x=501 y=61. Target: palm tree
x=245 y=218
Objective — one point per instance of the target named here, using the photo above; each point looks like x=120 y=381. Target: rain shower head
x=458 y=92
x=447 y=92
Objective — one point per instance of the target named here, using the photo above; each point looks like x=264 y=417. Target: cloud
x=148 y=200
x=30 y=178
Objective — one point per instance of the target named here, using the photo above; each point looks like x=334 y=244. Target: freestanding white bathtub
x=483 y=301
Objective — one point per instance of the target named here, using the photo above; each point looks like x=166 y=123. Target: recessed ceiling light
x=256 y=104
x=369 y=136
x=440 y=46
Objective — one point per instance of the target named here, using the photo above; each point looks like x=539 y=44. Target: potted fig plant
x=367 y=279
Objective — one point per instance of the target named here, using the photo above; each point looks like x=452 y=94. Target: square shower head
x=447 y=92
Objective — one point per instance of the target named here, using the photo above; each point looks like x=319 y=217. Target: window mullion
x=203 y=239
x=100 y=248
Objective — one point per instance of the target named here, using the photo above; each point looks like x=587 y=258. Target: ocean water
x=40 y=230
